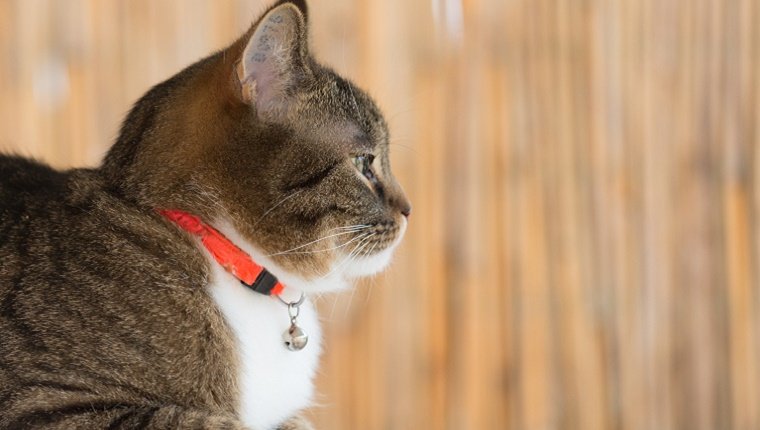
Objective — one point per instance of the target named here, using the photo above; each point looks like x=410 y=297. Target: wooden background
x=585 y=246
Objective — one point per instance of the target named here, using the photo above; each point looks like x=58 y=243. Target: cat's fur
x=112 y=317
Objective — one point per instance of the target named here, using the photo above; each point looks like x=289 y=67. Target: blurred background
x=584 y=251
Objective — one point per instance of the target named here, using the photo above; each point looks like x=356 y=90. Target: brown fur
x=104 y=316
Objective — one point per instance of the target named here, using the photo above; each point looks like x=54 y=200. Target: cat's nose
x=397 y=200
x=406 y=210
x=402 y=204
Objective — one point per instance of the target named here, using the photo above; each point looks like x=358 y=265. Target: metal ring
x=296 y=304
x=293 y=312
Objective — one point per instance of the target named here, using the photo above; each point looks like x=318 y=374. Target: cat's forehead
x=359 y=106
x=343 y=113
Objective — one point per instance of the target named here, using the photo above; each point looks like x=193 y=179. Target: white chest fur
x=275 y=383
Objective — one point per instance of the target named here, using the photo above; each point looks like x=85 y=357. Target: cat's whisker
x=350 y=300
x=350 y=230
x=283 y=200
x=351 y=227
x=356 y=249
x=334 y=305
x=332 y=248
x=353 y=291
x=309 y=243
x=408 y=148
x=352 y=257
x=372 y=285
x=373 y=282
x=344 y=230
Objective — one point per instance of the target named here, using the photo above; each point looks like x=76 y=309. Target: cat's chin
x=369 y=265
x=372 y=264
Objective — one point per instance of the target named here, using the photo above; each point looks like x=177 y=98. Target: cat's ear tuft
x=274 y=61
x=300 y=4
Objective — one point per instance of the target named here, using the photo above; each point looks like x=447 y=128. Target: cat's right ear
x=274 y=60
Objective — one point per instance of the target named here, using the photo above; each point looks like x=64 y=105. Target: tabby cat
x=114 y=316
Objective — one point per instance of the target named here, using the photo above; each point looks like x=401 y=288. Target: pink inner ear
x=268 y=59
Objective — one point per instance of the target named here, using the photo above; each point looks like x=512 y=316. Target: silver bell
x=295 y=339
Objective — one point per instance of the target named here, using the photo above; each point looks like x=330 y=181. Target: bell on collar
x=295 y=339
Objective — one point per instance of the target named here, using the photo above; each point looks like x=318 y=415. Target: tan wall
x=584 y=247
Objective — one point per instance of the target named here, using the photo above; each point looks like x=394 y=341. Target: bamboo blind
x=584 y=247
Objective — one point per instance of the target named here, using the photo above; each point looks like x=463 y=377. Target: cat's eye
x=363 y=164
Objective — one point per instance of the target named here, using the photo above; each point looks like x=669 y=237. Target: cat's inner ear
x=274 y=60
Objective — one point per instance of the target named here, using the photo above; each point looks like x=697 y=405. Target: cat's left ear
x=274 y=61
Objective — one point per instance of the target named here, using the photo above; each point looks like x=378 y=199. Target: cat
x=114 y=314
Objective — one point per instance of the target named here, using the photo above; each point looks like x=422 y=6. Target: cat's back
x=25 y=184
x=97 y=298
x=36 y=211
x=30 y=193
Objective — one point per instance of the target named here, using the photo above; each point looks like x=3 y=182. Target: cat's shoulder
x=76 y=212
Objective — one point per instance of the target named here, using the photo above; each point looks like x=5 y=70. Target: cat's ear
x=274 y=61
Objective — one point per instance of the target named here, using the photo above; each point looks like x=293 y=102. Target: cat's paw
x=296 y=423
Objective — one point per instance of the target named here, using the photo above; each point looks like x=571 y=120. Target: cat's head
x=274 y=149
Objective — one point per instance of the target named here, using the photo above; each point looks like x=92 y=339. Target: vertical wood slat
x=584 y=251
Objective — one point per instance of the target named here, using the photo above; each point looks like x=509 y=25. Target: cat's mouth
x=375 y=238
x=372 y=249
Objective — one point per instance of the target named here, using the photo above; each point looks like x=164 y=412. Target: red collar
x=232 y=258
